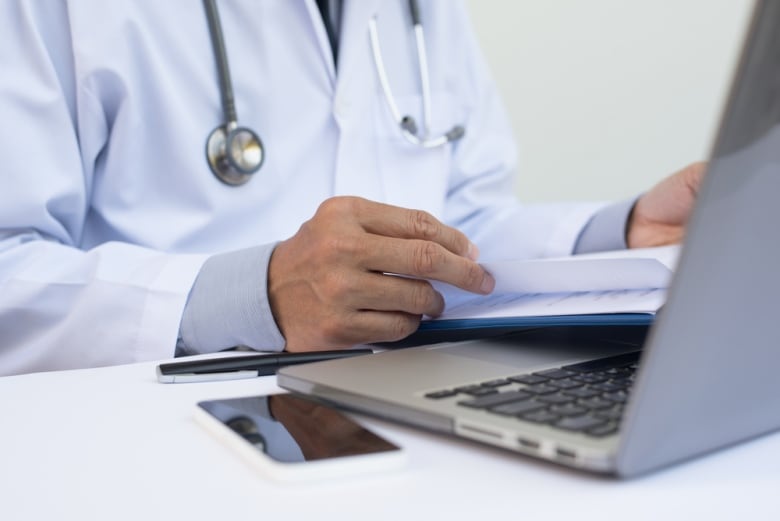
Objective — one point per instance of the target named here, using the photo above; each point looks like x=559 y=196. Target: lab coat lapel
x=321 y=35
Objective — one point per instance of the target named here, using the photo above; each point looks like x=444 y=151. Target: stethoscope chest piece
x=234 y=154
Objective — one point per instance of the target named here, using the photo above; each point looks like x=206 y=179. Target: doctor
x=134 y=217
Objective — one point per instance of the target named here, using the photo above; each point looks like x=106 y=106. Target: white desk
x=114 y=444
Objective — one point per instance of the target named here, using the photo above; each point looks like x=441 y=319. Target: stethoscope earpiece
x=234 y=156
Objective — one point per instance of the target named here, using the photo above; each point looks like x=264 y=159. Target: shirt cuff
x=606 y=230
x=228 y=305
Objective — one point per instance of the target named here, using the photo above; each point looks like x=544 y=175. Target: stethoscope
x=235 y=153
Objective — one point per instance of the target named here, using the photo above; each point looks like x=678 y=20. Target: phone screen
x=291 y=429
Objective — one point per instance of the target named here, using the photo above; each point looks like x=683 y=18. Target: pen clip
x=206 y=376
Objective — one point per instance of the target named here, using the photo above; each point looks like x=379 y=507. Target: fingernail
x=473 y=252
x=488 y=283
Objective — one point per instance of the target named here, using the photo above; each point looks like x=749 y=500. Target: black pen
x=247 y=366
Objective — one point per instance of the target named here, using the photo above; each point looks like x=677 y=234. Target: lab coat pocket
x=413 y=176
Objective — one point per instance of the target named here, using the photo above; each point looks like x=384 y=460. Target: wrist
x=644 y=233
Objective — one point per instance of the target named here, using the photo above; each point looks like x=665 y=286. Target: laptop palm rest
x=391 y=384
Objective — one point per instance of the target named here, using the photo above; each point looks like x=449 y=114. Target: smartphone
x=292 y=438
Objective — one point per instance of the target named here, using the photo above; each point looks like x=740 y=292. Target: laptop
x=624 y=400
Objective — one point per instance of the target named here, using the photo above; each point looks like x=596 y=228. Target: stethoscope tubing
x=223 y=69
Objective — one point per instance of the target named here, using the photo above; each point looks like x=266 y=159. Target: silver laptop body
x=707 y=376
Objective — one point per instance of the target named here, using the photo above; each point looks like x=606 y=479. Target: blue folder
x=452 y=330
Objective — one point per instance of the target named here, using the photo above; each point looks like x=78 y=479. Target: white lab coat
x=108 y=208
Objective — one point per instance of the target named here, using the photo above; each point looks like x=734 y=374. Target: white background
x=608 y=96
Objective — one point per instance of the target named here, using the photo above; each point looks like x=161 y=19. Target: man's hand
x=329 y=287
x=659 y=216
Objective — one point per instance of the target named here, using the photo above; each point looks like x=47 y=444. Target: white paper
x=627 y=269
x=626 y=281
x=555 y=304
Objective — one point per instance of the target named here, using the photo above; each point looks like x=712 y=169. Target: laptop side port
x=566 y=454
x=528 y=444
x=481 y=431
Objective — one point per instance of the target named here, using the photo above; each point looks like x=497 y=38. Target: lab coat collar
x=353 y=37
x=321 y=34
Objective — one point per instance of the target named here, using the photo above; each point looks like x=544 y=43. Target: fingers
x=694 y=174
x=359 y=327
x=405 y=242
x=427 y=260
x=379 y=292
x=378 y=307
x=660 y=215
x=392 y=221
x=380 y=326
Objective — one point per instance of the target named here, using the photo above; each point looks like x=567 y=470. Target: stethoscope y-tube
x=407 y=123
x=234 y=153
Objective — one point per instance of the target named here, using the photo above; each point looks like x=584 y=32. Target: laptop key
x=596 y=403
x=491 y=400
x=541 y=389
x=518 y=408
x=603 y=430
x=528 y=379
x=496 y=383
x=581 y=392
x=467 y=388
x=591 y=378
x=566 y=383
x=609 y=386
x=541 y=416
x=614 y=413
x=555 y=399
x=580 y=423
x=438 y=395
x=568 y=409
x=616 y=396
x=555 y=374
x=481 y=391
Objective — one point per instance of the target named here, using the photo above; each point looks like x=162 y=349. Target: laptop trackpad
x=550 y=346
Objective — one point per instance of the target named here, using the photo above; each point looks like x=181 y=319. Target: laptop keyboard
x=588 y=397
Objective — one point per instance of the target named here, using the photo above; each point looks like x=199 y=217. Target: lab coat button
x=341 y=107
